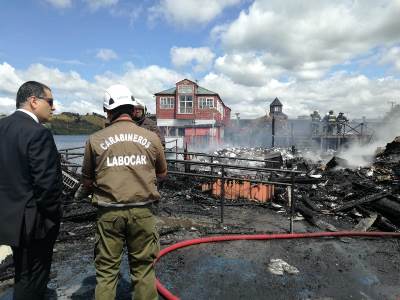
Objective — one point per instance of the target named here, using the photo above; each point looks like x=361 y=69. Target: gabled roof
x=276 y=102
x=170 y=91
x=200 y=91
x=203 y=91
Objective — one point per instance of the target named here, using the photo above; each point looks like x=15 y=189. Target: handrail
x=74 y=148
x=190 y=162
x=220 y=156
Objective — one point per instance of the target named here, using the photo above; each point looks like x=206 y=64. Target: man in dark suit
x=30 y=189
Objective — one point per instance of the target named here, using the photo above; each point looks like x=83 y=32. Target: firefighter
x=121 y=164
x=331 y=122
x=315 y=121
x=341 y=122
x=325 y=123
x=139 y=116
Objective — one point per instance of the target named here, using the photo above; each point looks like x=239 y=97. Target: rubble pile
x=343 y=197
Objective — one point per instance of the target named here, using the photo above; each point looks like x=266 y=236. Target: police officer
x=139 y=116
x=121 y=166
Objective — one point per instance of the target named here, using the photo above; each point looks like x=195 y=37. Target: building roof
x=200 y=90
x=170 y=91
x=203 y=91
x=276 y=102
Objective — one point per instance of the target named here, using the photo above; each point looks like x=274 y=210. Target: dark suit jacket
x=30 y=180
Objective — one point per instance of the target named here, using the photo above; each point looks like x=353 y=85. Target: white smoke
x=359 y=155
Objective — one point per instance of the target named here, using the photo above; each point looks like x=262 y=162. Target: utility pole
x=273 y=131
x=393 y=103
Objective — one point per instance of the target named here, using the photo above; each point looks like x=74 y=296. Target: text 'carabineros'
x=124 y=137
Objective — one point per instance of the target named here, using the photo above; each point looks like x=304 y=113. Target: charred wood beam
x=311 y=217
x=384 y=224
x=301 y=180
x=310 y=204
x=389 y=208
x=363 y=200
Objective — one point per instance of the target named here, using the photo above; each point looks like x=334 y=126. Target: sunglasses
x=50 y=101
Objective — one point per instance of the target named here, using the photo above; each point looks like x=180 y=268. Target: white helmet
x=117 y=95
x=139 y=104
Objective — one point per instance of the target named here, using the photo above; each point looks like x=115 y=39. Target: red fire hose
x=168 y=295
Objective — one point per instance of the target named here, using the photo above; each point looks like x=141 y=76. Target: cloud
x=202 y=57
x=9 y=79
x=75 y=94
x=189 y=12
x=97 y=4
x=247 y=69
x=7 y=105
x=106 y=54
x=307 y=38
x=62 y=61
x=143 y=82
x=391 y=57
x=354 y=94
x=61 y=4
x=131 y=11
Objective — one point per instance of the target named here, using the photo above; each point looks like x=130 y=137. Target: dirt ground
x=329 y=268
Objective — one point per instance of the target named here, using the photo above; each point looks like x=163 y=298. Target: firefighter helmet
x=139 y=105
x=117 y=95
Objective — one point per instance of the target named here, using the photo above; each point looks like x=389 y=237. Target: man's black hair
x=120 y=110
x=28 y=89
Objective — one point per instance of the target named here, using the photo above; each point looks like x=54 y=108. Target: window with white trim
x=185 y=104
x=206 y=102
x=185 y=89
x=220 y=108
x=167 y=102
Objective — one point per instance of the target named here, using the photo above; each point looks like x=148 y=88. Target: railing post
x=292 y=202
x=176 y=149
x=222 y=194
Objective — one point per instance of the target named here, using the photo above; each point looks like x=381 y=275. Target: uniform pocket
x=141 y=212
x=111 y=222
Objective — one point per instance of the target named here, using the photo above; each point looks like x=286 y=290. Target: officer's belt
x=121 y=205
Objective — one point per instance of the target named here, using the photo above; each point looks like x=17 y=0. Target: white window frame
x=205 y=103
x=185 y=89
x=185 y=109
x=167 y=102
x=220 y=108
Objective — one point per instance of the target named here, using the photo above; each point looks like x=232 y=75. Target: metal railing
x=217 y=171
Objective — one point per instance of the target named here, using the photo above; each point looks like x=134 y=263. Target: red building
x=191 y=114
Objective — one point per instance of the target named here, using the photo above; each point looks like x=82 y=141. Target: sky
x=342 y=55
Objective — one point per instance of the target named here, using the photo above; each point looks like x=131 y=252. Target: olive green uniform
x=152 y=126
x=122 y=160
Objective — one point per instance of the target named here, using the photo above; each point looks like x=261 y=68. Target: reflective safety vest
x=332 y=119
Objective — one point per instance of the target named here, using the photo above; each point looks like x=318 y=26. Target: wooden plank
x=362 y=200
